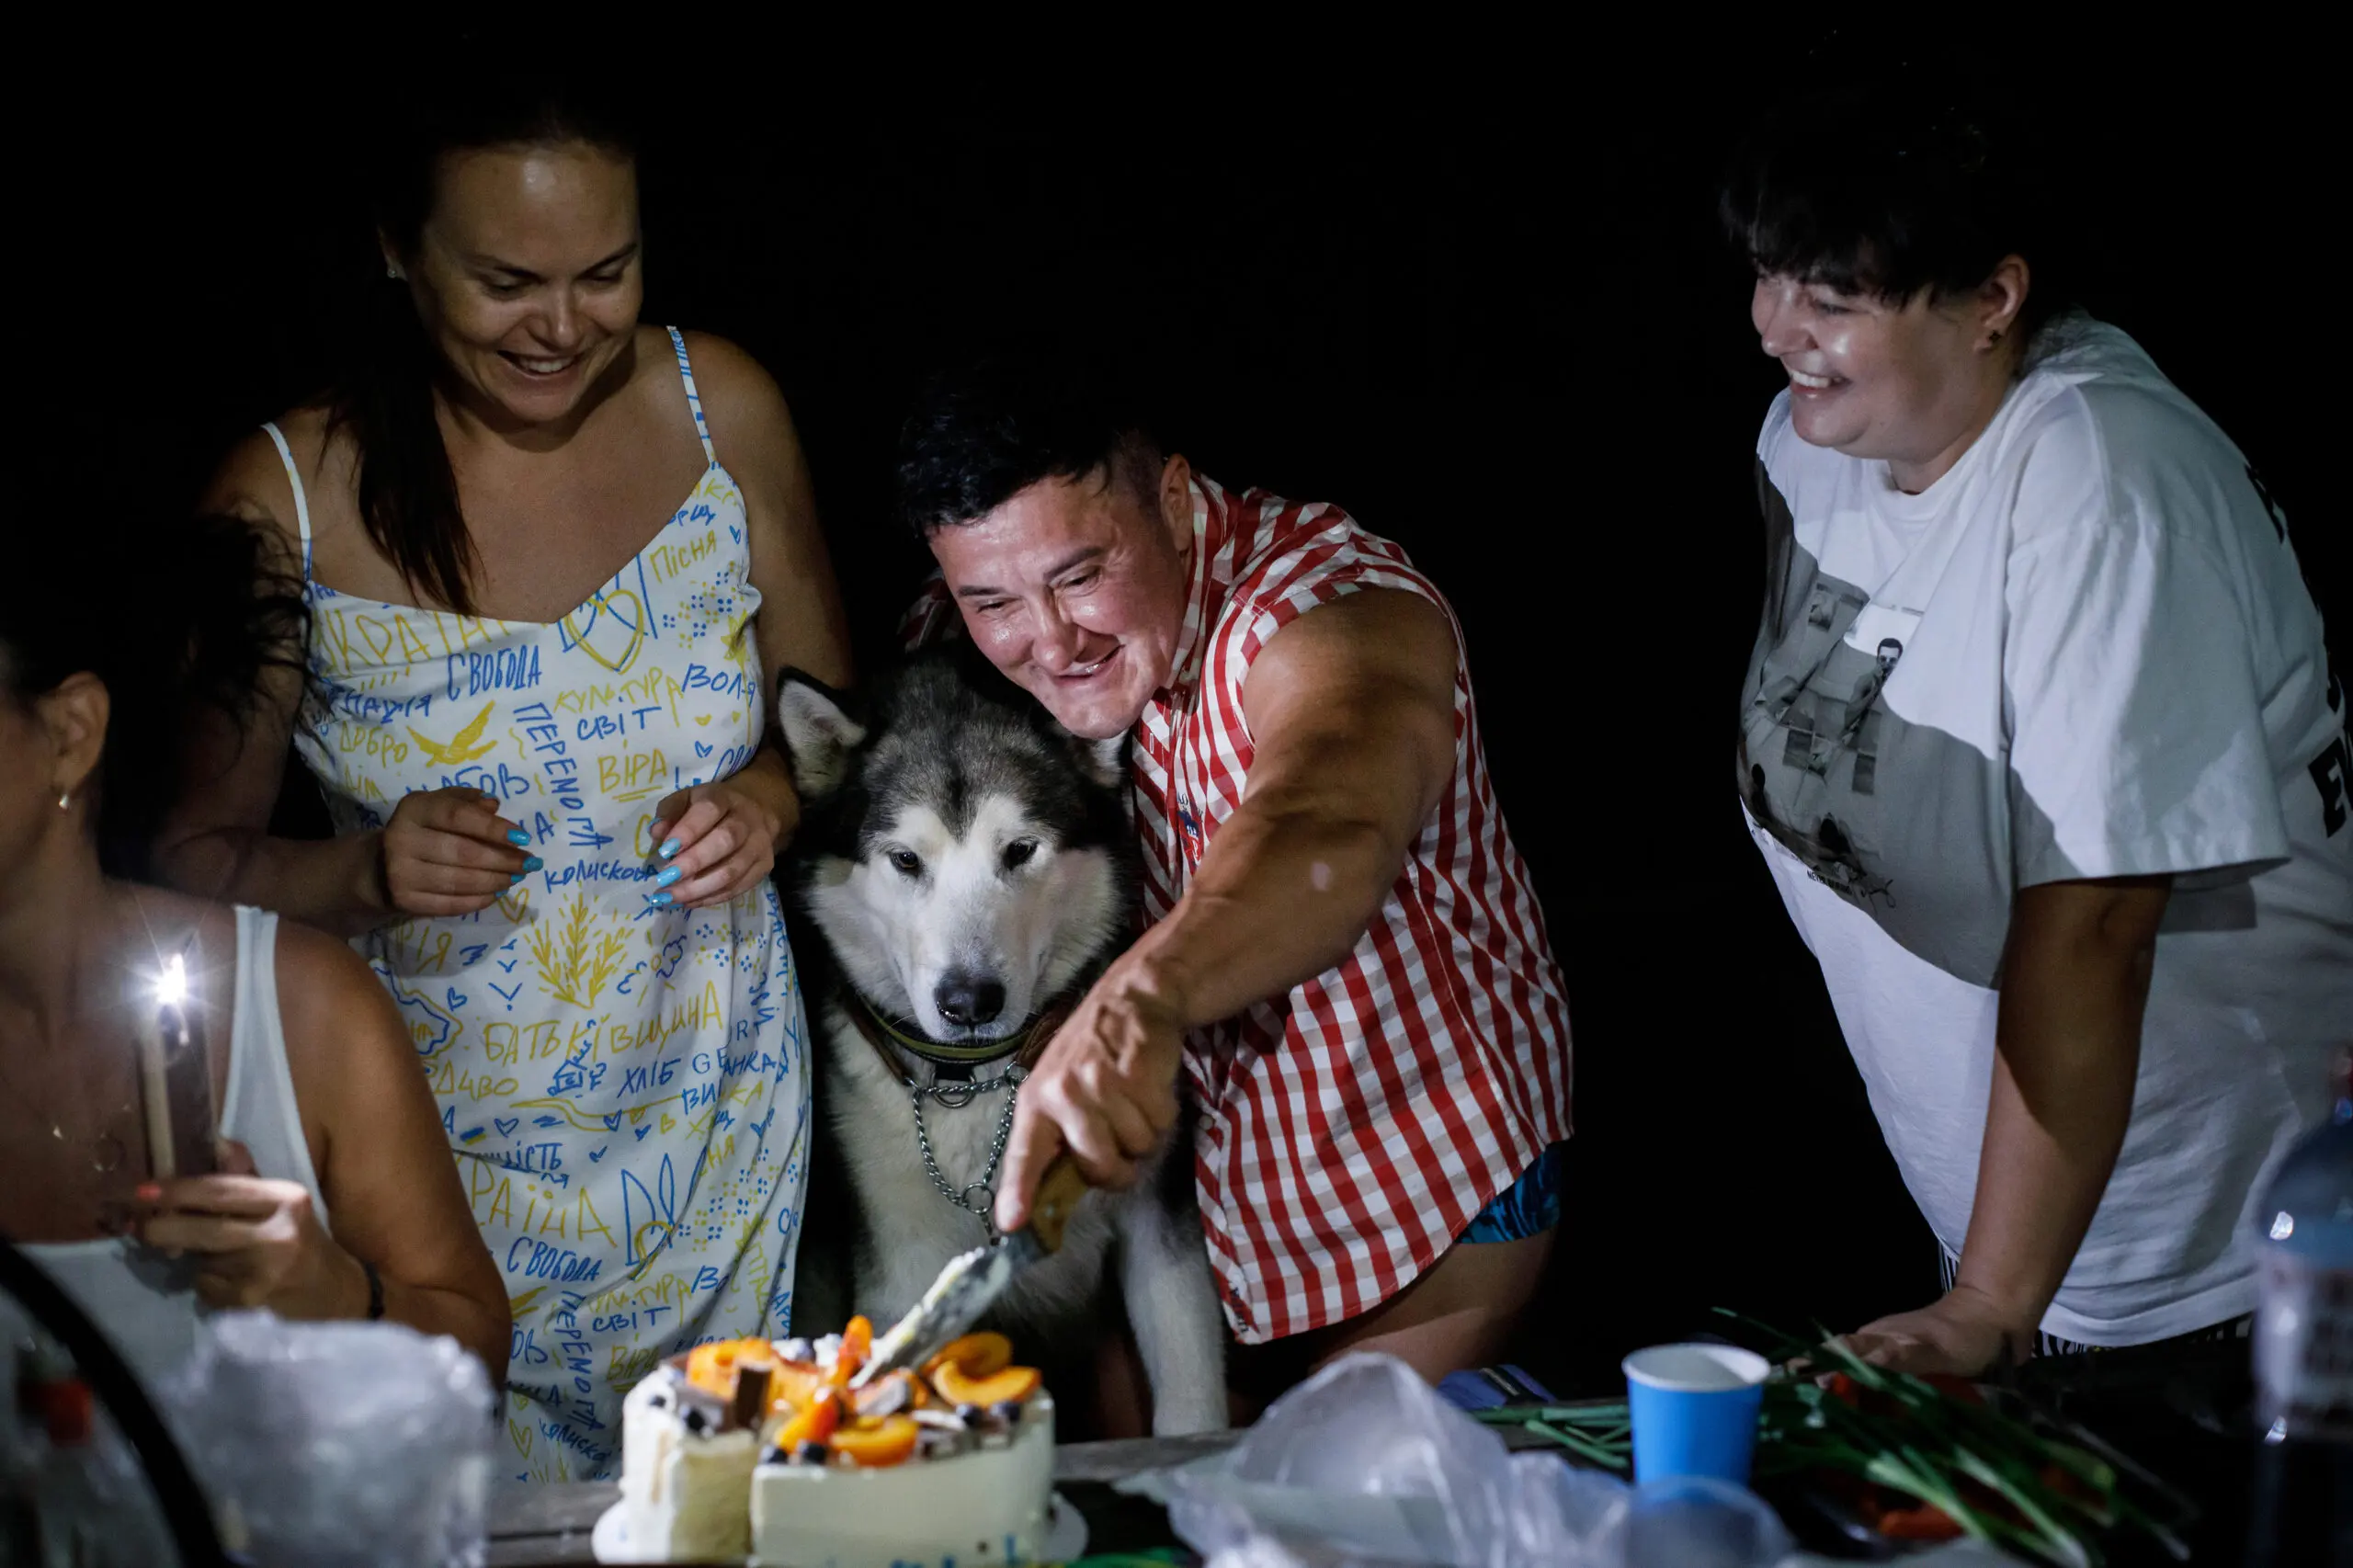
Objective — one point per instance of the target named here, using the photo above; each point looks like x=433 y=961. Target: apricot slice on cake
x=858 y=1343
x=975 y=1355
x=875 y=1441
x=1006 y=1385
x=792 y=1385
x=711 y=1367
x=816 y=1422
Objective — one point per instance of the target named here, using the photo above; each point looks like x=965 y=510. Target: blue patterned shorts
x=1529 y=1207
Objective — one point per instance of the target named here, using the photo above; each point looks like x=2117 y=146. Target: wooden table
x=544 y=1526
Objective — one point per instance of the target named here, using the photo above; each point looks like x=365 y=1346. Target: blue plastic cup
x=1694 y=1408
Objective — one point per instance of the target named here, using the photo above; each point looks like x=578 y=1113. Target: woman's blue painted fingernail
x=671 y=848
x=515 y=835
x=666 y=878
x=659 y=899
x=532 y=862
x=513 y=879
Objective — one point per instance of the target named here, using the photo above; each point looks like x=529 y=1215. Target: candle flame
x=171 y=986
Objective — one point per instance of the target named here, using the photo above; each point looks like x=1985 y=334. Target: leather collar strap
x=884 y=1035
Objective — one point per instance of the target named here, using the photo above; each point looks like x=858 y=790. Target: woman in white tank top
x=335 y=1198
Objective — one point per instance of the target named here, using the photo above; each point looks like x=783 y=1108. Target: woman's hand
x=449 y=852
x=716 y=840
x=1105 y=1088
x=259 y=1242
x=1965 y=1334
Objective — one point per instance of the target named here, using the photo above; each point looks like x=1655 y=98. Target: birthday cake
x=772 y=1450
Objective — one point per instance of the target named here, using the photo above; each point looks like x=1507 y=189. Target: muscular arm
x=383 y=1165
x=2075 y=981
x=216 y=842
x=1351 y=710
x=1351 y=713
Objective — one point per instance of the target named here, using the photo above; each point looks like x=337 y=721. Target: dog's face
x=966 y=858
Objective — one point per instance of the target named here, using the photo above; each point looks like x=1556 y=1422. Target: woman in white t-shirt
x=336 y=1197
x=2041 y=742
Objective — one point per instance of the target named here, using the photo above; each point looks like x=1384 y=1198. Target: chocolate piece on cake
x=750 y=1405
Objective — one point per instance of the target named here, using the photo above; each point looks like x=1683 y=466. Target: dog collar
x=883 y=1035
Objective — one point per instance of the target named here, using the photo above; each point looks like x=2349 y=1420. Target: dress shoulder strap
x=303 y=502
x=694 y=398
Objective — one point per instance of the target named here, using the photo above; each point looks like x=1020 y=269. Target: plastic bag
x=328 y=1443
x=1365 y=1466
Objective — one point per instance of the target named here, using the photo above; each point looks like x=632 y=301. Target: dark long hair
x=408 y=492
x=198 y=612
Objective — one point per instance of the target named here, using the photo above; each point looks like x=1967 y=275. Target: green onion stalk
x=1908 y=1436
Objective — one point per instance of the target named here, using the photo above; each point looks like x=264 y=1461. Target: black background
x=1476 y=297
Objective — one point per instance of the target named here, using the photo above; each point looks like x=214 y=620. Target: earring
x=391 y=270
x=1994 y=338
x=66 y=799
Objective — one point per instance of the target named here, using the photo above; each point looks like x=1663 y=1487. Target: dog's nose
x=968 y=1000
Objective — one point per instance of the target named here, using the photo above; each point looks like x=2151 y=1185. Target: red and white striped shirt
x=1351 y=1129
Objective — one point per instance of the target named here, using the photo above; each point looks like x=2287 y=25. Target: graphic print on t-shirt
x=1886 y=813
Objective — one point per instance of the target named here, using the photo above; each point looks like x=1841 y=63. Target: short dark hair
x=1889 y=190
x=981 y=434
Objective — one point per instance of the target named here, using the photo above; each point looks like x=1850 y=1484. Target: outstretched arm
x=1351 y=712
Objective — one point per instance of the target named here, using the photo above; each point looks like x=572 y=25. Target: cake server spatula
x=974 y=1280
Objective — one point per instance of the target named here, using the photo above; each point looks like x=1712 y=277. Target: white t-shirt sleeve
x=2136 y=737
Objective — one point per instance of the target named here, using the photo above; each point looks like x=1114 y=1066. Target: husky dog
x=971 y=870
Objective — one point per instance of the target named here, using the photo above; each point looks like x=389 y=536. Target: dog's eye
x=906 y=862
x=1018 y=852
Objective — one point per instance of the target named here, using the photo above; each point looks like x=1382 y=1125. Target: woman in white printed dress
x=535 y=709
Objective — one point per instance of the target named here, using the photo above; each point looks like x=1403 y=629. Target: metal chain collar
x=955 y=1096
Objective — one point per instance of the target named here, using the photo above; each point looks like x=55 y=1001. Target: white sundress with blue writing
x=626 y=1092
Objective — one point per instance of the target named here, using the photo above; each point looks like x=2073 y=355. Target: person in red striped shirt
x=1345 y=952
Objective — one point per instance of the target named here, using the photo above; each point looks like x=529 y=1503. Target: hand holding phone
x=255 y=1242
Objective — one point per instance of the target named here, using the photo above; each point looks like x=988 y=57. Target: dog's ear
x=818 y=734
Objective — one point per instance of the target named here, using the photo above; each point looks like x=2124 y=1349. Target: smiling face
x=526 y=275
x=1910 y=383
x=1075 y=589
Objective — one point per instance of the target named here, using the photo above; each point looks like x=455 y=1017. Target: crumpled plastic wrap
x=1365 y=1466
x=324 y=1445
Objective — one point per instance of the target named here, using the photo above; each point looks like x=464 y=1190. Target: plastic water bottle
x=2302 y=1505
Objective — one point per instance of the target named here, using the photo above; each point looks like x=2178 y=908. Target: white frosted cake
x=749 y=1447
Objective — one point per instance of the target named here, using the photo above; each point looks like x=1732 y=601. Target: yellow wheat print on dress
x=625 y=1092
x=463 y=746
